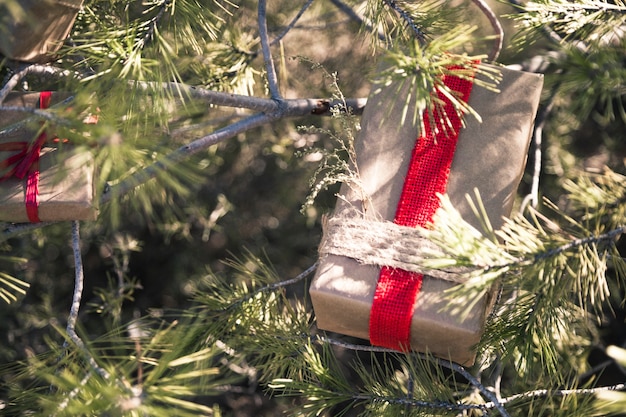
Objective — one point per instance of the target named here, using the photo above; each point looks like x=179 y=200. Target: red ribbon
x=25 y=163
x=429 y=169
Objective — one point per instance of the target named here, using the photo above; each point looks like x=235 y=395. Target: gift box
x=56 y=185
x=349 y=292
x=37 y=29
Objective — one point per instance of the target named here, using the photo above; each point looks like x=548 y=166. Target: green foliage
x=149 y=370
x=552 y=272
x=558 y=268
x=420 y=70
x=425 y=21
x=593 y=21
x=10 y=285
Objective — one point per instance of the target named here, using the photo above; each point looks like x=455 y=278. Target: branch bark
x=272 y=79
x=79 y=283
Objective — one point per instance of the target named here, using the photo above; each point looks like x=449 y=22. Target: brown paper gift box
x=489 y=156
x=66 y=183
x=39 y=31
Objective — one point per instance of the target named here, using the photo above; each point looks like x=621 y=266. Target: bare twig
x=290 y=107
x=347 y=10
x=78 y=284
x=558 y=393
x=276 y=285
x=37 y=112
x=73 y=393
x=495 y=24
x=182 y=153
x=292 y=23
x=540 y=123
x=537 y=143
x=79 y=281
x=272 y=79
x=14 y=79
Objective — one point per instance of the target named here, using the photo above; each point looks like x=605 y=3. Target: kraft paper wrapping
x=38 y=31
x=66 y=182
x=490 y=156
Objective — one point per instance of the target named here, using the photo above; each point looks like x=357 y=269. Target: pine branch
x=417 y=31
x=440 y=362
x=422 y=404
x=272 y=112
x=608 y=236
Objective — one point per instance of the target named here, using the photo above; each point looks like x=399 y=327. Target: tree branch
x=495 y=24
x=79 y=281
x=302 y=275
x=357 y=18
x=446 y=364
x=610 y=235
x=14 y=79
x=558 y=393
x=409 y=402
x=182 y=153
x=292 y=23
x=272 y=79
x=419 y=34
x=289 y=108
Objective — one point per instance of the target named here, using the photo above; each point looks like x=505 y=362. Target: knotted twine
x=428 y=172
x=25 y=163
x=384 y=243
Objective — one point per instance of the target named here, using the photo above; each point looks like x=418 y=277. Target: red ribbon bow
x=25 y=163
x=394 y=298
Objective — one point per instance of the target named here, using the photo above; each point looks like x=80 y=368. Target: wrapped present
x=35 y=29
x=37 y=181
x=359 y=289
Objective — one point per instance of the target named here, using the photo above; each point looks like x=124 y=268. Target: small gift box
x=37 y=181
x=400 y=179
x=35 y=29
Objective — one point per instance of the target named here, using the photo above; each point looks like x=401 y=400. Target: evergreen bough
x=163 y=75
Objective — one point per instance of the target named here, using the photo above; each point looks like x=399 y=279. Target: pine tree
x=218 y=147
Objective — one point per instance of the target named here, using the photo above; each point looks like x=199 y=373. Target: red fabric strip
x=429 y=168
x=31 y=162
